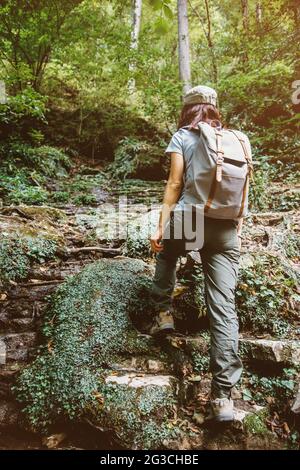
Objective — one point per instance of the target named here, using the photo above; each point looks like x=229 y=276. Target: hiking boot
x=221 y=409
x=163 y=324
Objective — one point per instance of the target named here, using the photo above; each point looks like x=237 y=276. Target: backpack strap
x=220 y=155
x=218 y=174
x=247 y=156
x=249 y=172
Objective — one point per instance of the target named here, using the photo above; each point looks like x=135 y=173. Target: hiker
x=210 y=170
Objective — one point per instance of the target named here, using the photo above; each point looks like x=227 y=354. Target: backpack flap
x=230 y=155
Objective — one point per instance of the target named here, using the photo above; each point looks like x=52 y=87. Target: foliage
x=21 y=114
x=255 y=423
x=25 y=169
x=28 y=31
x=259 y=196
x=136 y=159
x=44 y=160
x=280 y=386
x=16 y=255
x=66 y=380
x=264 y=296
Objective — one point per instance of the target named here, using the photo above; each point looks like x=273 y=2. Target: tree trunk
x=210 y=42
x=245 y=13
x=258 y=13
x=245 y=17
x=183 y=45
x=135 y=31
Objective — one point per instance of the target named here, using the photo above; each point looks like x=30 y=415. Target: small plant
x=259 y=198
x=263 y=296
x=280 y=387
x=16 y=255
x=84 y=199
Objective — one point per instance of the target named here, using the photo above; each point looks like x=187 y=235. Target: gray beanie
x=200 y=94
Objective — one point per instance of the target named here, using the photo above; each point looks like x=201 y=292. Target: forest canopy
x=81 y=55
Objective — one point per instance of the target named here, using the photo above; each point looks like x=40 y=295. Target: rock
x=296 y=404
x=240 y=414
x=2 y=352
x=41 y=213
x=247 y=261
x=53 y=441
x=138 y=409
x=18 y=345
x=77 y=369
x=189 y=354
x=141 y=380
x=9 y=413
x=271 y=350
x=7 y=376
x=155 y=365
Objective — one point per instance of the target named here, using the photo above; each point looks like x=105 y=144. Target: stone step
x=187 y=348
x=278 y=351
x=134 y=380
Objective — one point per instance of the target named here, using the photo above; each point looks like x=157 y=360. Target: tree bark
x=135 y=32
x=183 y=45
x=210 y=42
x=258 y=13
x=245 y=13
x=245 y=17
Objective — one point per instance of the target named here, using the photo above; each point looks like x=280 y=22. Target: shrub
x=16 y=255
x=265 y=294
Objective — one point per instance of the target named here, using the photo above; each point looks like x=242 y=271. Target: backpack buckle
x=219 y=168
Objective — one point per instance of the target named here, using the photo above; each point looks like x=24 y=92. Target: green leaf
x=161 y=26
x=168 y=12
x=156 y=4
x=247 y=395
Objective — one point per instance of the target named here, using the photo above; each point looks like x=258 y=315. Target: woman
x=219 y=255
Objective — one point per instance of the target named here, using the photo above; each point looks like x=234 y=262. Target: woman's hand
x=155 y=241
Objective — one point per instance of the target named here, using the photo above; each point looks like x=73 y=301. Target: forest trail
x=81 y=241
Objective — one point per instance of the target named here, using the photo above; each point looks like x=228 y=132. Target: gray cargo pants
x=220 y=261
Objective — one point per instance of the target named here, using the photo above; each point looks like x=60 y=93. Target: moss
x=43 y=212
x=88 y=329
x=265 y=294
x=140 y=417
x=17 y=254
x=256 y=423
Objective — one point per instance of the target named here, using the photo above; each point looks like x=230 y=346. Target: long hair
x=192 y=114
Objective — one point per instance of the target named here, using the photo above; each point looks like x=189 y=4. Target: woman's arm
x=171 y=196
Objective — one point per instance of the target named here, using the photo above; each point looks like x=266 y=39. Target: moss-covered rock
x=17 y=254
x=87 y=330
x=138 y=159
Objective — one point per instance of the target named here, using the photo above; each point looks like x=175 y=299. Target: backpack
x=219 y=172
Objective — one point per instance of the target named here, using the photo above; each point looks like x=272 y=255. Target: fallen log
x=101 y=249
